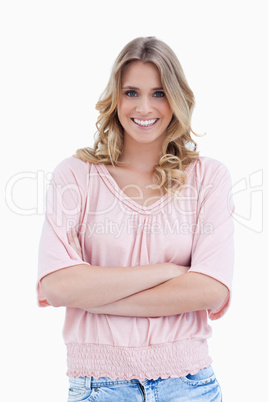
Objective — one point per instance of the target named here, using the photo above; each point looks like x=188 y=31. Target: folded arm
x=86 y=286
x=144 y=291
x=186 y=293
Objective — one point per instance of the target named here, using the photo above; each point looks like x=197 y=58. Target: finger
x=69 y=236
x=71 y=239
x=76 y=241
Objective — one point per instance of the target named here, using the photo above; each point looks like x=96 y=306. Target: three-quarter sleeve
x=213 y=243
x=65 y=203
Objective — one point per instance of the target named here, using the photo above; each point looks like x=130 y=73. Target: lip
x=145 y=127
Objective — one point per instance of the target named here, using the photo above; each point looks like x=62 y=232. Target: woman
x=137 y=243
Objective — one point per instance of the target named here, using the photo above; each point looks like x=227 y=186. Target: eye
x=159 y=94
x=131 y=94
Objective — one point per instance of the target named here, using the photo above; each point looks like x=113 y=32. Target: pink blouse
x=194 y=229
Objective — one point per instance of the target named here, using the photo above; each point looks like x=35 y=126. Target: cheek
x=122 y=109
x=167 y=111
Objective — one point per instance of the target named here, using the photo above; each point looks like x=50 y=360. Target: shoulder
x=205 y=169
x=72 y=163
x=208 y=165
x=209 y=176
x=72 y=169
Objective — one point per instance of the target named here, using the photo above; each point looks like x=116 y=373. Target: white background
x=56 y=57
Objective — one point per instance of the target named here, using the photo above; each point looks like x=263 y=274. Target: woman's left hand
x=74 y=241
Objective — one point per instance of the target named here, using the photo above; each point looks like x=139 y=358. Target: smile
x=145 y=123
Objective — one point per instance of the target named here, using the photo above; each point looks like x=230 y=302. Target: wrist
x=168 y=270
x=178 y=270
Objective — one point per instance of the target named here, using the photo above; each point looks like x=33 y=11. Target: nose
x=144 y=105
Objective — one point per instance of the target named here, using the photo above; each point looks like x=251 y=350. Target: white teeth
x=145 y=123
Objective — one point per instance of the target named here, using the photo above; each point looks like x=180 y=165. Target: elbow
x=53 y=290
x=218 y=296
x=210 y=293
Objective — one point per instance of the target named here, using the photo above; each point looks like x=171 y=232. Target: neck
x=142 y=157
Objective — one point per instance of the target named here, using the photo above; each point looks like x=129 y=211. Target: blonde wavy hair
x=178 y=148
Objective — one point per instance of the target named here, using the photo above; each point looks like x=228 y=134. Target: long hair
x=178 y=148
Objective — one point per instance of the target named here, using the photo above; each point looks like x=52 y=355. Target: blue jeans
x=202 y=386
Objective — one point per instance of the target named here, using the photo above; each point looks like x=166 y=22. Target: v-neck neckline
x=119 y=193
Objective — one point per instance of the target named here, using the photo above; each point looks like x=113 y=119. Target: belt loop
x=88 y=382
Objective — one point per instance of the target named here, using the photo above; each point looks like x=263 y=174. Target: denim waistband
x=91 y=382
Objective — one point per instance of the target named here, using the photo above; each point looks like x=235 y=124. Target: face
x=143 y=109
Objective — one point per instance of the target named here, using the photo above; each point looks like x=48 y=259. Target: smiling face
x=143 y=109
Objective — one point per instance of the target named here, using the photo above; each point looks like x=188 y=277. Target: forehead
x=139 y=73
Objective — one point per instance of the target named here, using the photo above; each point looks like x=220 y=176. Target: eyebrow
x=135 y=88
